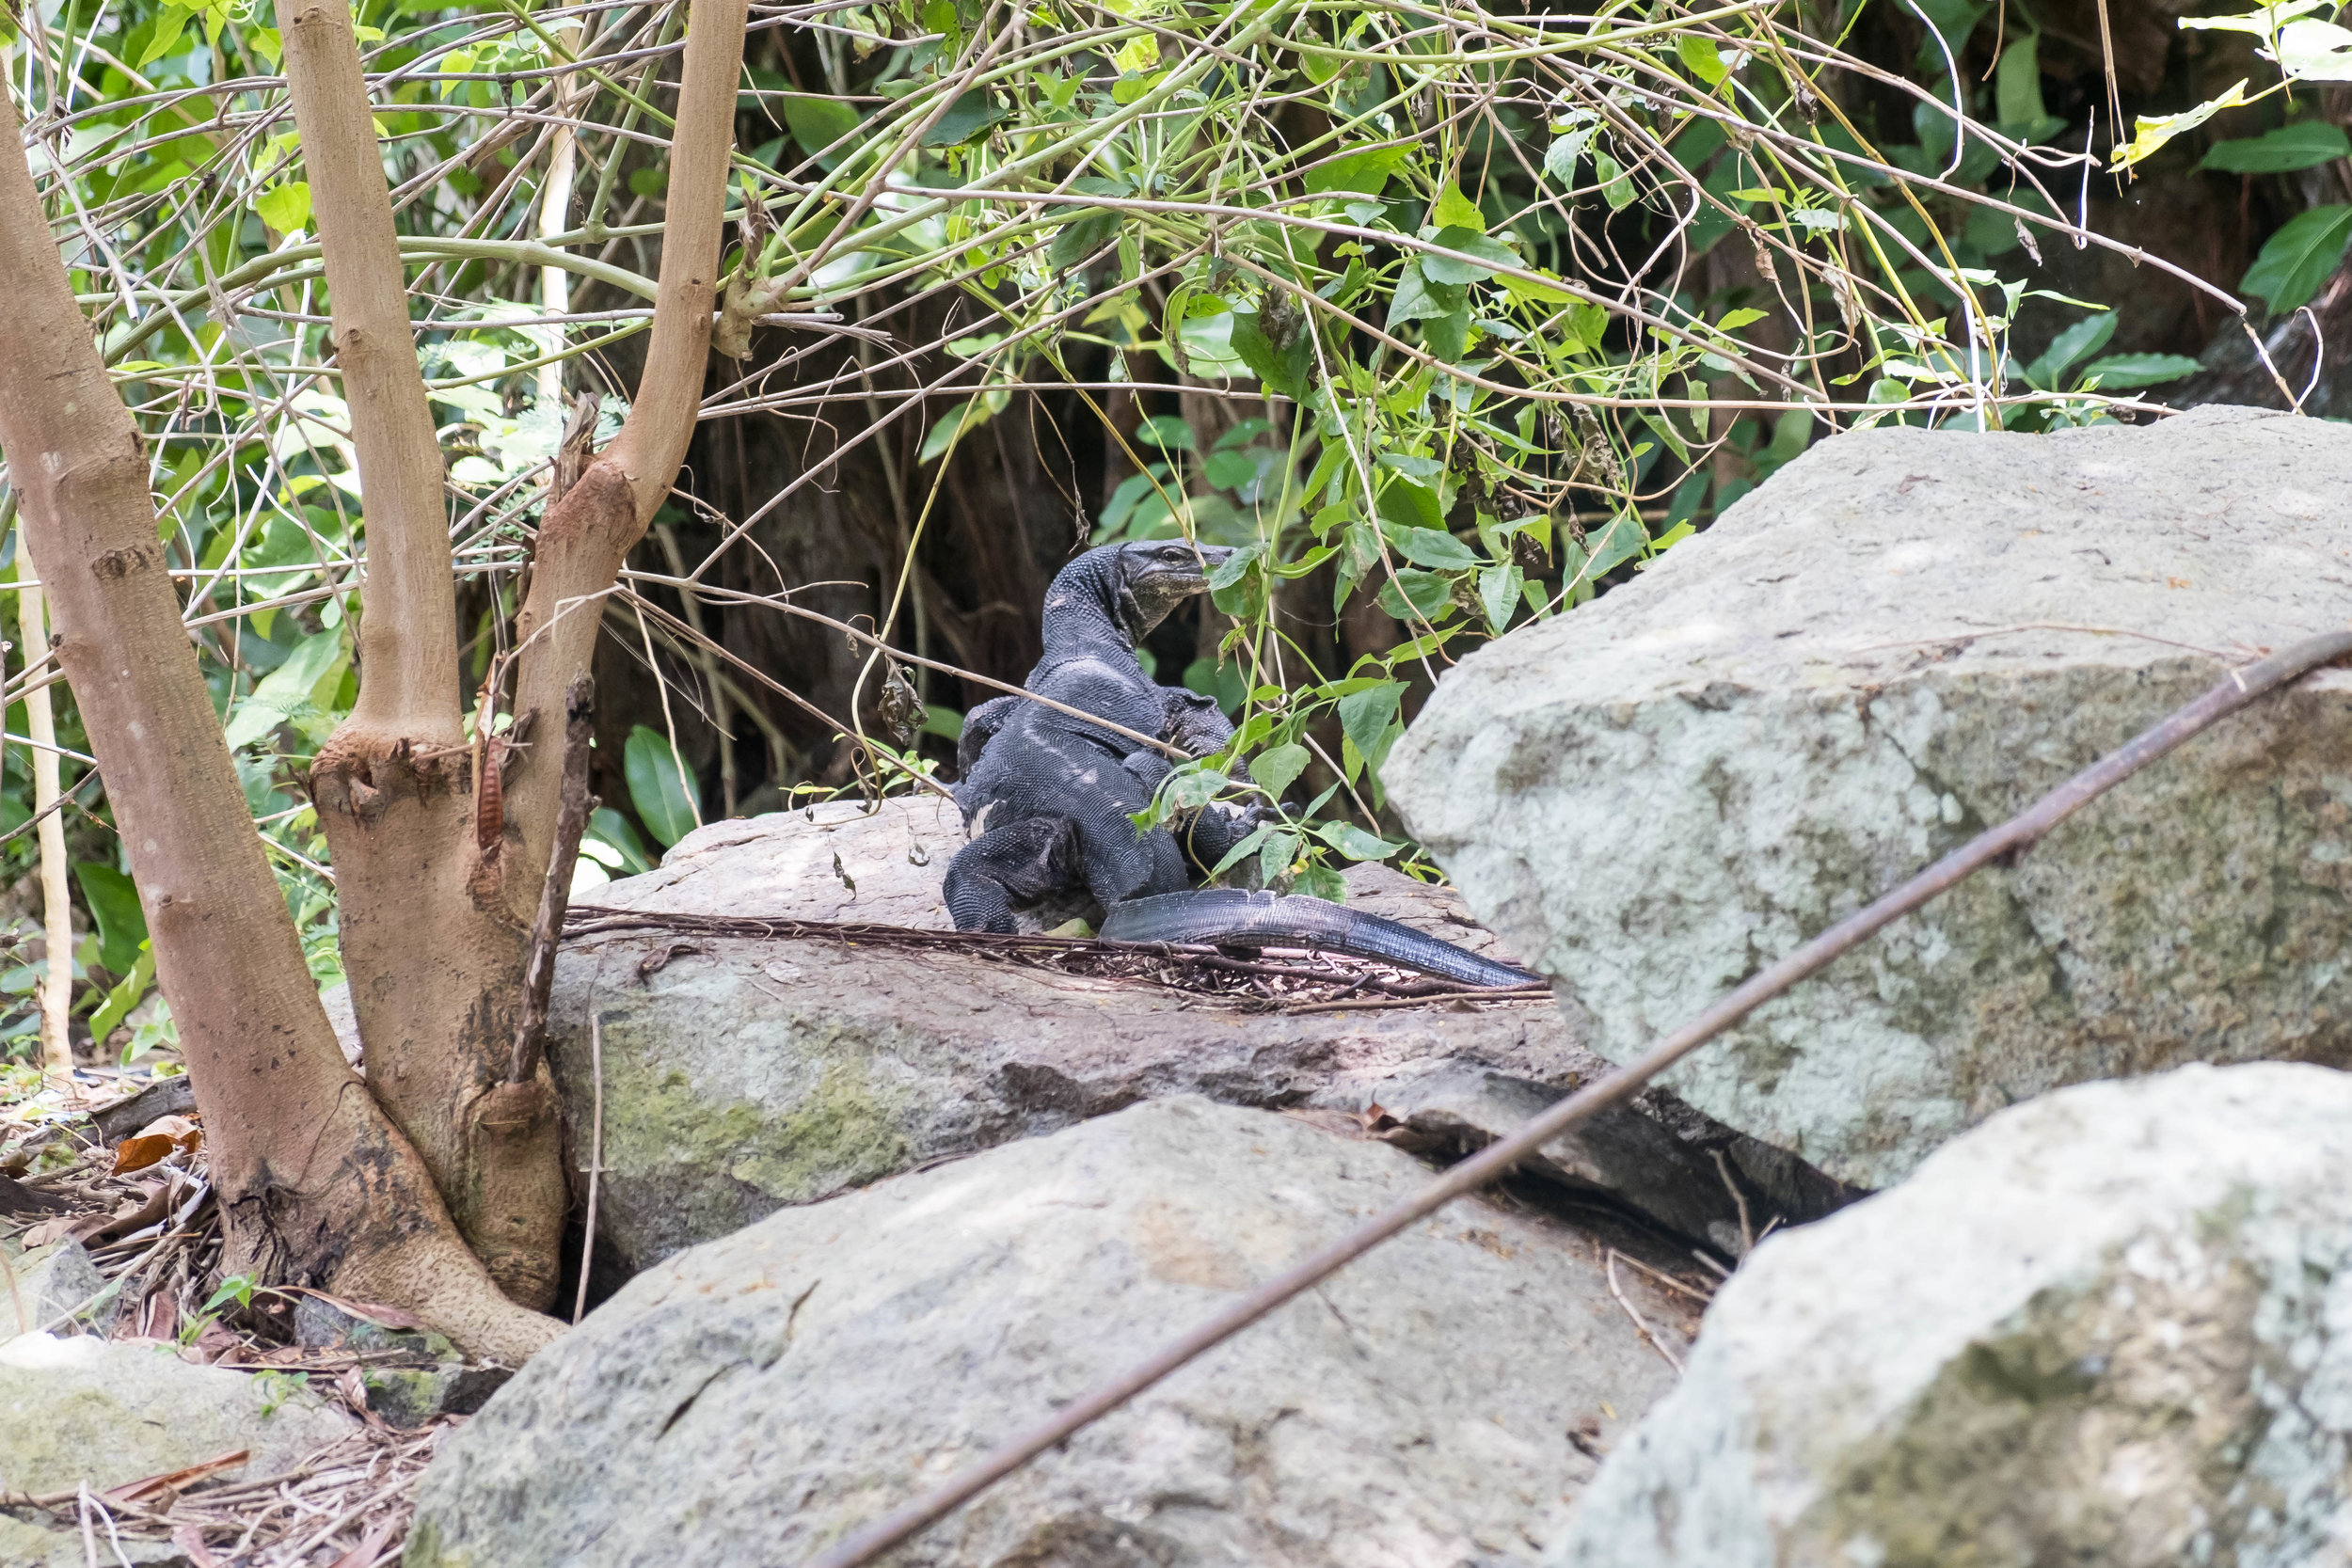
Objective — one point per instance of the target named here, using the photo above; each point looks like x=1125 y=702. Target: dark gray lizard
x=1047 y=798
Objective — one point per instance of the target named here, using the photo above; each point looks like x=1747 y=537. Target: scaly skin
x=1227 y=915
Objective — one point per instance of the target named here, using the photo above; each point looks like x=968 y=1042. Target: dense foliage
x=1497 y=305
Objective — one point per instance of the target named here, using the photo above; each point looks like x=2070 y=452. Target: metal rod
x=2005 y=841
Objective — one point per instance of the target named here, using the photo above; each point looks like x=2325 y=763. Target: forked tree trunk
x=437 y=892
x=317 y=1185
x=434 y=953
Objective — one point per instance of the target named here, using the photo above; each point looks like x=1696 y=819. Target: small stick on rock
x=573 y=805
x=1649 y=1336
x=595 y=1161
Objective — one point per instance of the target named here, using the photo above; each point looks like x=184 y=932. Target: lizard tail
x=1229 y=915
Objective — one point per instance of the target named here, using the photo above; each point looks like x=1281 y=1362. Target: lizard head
x=1150 y=578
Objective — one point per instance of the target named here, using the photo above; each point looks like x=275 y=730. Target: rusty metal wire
x=1996 y=846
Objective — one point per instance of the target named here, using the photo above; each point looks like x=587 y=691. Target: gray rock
x=1886 y=648
x=758 y=1397
x=411 y=1374
x=2112 y=1328
x=741 y=1074
x=85 y=1410
x=26 y=1544
x=50 y=1282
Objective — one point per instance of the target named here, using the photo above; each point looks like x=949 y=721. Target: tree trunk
x=434 y=948
x=316 y=1184
x=588 y=532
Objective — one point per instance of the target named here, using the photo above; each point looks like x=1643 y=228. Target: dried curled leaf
x=147 y=1149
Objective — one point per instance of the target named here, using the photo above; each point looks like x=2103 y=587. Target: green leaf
x=945 y=723
x=169 y=27
x=1081 y=238
x=1411 y=505
x=816 y=123
x=2297 y=259
x=612 y=827
x=287 y=690
x=2086 y=337
x=1701 y=56
x=1499 y=593
x=285 y=208
x=1418 y=298
x=1243 y=851
x=1453 y=210
x=1235 y=566
x=1432 y=547
x=2120 y=372
x=1231 y=470
x=967 y=119
x=967 y=416
x=1364 y=716
x=1166 y=431
x=2017 y=83
x=1357 y=173
x=1320 y=881
x=1623 y=538
x=1190 y=788
x=658 y=782
x=1276 y=854
x=126 y=994
x=1356 y=844
x=1278 y=768
x=114 y=906
x=2281 y=151
x=1470 y=242
x=1616 y=186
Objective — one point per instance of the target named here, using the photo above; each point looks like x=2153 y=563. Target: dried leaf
x=185 y=1136
x=135 y=1154
x=49 y=1230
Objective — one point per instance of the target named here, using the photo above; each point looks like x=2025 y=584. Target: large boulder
x=2111 y=1329
x=756 y=1398
x=1903 y=637
x=741 y=1073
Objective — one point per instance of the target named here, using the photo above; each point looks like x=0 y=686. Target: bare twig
x=1649 y=1336
x=596 y=1161
x=1999 y=845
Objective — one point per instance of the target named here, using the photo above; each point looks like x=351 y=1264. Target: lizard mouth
x=1185 y=574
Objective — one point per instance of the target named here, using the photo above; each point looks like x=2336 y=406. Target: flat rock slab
x=755 y=1399
x=1893 y=643
x=2112 y=1329
x=83 y=1410
x=740 y=1074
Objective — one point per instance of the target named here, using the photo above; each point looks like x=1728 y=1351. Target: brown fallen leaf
x=190 y=1539
x=136 y=1154
x=185 y=1136
x=49 y=1230
x=135 y=1213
